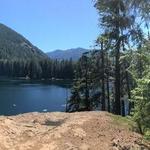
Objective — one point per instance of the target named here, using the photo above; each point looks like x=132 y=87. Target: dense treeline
x=116 y=78
x=37 y=69
x=94 y=87
x=19 y=58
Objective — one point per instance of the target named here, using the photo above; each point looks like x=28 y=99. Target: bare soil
x=64 y=131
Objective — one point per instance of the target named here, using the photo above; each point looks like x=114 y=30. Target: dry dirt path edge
x=67 y=131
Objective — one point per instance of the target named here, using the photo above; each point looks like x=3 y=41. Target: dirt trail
x=62 y=131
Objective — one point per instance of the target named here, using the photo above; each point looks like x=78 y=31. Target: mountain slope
x=68 y=131
x=15 y=46
x=75 y=54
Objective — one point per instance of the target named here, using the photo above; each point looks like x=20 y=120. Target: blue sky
x=52 y=24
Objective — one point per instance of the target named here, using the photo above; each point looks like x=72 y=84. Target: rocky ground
x=62 y=131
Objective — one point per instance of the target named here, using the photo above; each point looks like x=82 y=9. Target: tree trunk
x=86 y=89
x=128 y=91
x=117 y=81
x=103 y=79
x=117 y=66
x=108 y=95
x=123 y=108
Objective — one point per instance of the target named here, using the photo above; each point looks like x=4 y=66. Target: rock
x=115 y=142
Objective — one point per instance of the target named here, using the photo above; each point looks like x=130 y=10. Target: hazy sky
x=52 y=24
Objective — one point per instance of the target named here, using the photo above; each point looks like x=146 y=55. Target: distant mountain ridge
x=15 y=46
x=74 y=54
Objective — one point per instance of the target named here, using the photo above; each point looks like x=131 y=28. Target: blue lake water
x=22 y=96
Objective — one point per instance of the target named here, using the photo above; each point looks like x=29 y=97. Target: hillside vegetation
x=19 y=58
x=15 y=46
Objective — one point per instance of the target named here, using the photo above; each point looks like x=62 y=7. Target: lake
x=22 y=96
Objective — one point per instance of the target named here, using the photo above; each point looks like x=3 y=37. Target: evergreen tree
x=117 y=22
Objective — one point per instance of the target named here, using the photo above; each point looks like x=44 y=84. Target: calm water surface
x=21 y=96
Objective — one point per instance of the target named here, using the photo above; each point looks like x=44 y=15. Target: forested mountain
x=74 y=54
x=19 y=58
x=15 y=46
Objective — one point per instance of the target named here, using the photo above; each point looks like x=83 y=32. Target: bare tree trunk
x=117 y=66
x=117 y=79
x=108 y=95
x=86 y=88
x=128 y=91
x=103 y=78
x=123 y=108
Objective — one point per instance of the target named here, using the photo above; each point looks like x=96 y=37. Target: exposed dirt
x=62 y=131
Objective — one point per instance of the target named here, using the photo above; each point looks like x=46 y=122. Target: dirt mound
x=62 y=131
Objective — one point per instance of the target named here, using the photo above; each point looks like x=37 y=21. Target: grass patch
x=129 y=124
x=126 y=122
x=147 y=135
